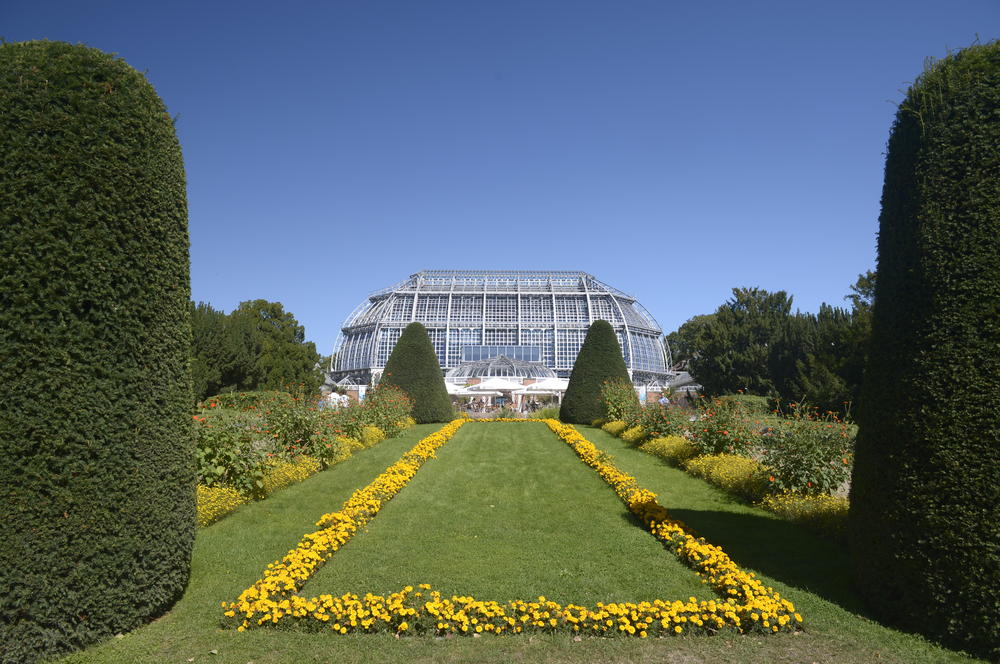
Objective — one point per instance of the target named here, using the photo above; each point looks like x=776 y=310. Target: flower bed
x=744 y=604
x=788 y=465
x=215 y=502
x=251 y=444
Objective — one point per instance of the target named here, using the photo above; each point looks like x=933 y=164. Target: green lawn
x=508 y=511
x=441 y=529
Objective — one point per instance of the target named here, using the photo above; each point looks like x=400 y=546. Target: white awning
x=496 y=383
x=548 y=386
x=466 y=392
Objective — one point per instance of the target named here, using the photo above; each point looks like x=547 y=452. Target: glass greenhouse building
x=475 y=315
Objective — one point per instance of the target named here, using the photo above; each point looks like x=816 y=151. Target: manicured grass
x=812 y=571
x=231 y=554
x=508 y=511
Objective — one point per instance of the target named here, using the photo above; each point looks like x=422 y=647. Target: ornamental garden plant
x=413 y=367
x=250 y=444
x=98 y=488
x=925 y=514
x=600 y=361
x=570 y=562
x=794 y=463
x=744 y=604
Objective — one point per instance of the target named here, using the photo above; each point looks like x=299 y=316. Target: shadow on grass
x=783 y=551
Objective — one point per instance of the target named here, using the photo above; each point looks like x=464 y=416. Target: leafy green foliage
x=659 y=420
x=620 y=400
x=684 y=345
x=285 y=357
x=734 y=347
x=863 y=293
x=413 y=367
x=98 y=489
x=387 y=407
x=925 y=512
x=809 y=453
x=753 y=405
x=209 y=350
x=229 y=453
x=600 y=360
x=548 y=413
x=726 y=426
x=241 y=434
x=754 y=344
x=259 y=346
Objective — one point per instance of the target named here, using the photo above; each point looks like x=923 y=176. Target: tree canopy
x=754 y=343
x=259 y=346
x=734 y=348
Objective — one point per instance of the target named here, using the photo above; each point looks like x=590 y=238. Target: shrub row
x=796 y=462
x=805 y=451
x=736 y=474
x=252 y=444
x=676 y=450
x=215 y=502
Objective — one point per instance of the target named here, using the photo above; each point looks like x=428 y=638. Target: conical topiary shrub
x=97 y=512
x=413 y=367
x=925 y=510
x=600 y=360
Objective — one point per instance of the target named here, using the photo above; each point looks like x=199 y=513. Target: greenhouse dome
x=474 y=315
x=501 y=365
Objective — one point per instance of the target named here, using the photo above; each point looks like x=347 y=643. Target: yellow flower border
x=746 y=605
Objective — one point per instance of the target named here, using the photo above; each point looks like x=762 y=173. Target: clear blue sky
x=675 y=150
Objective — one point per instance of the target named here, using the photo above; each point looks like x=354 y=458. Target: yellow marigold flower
x=281 y=579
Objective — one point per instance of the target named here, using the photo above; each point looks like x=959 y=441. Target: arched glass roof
x=536 y=316
x=500 y=366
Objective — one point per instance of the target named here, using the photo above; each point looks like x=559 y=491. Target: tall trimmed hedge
x=414 y=368
x=97 y=481
x=925 y=496
x=600 y=360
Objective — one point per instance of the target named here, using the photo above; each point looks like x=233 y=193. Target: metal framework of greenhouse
x=470 y=315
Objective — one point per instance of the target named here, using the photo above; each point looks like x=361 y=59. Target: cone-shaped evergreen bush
x=600 y=360
x=413 y=367
x=925 y=507
x=97 y=482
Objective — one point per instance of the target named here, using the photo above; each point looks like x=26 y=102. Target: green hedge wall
x=925 y=496
x=600 y=360
x=414 y=368
x=97 y=480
